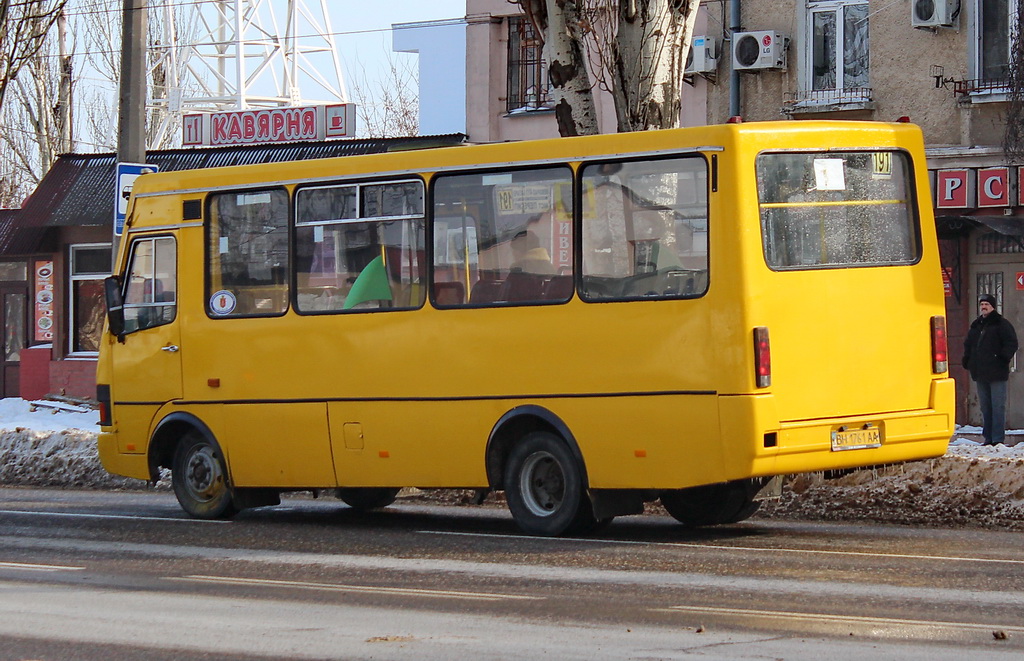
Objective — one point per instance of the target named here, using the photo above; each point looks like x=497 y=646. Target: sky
x=364 y=28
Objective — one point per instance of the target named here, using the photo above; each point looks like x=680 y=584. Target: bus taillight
x=762 y=357
x=103 y=397
x=940 y=354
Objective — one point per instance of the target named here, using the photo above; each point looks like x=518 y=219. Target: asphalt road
x=105 y=575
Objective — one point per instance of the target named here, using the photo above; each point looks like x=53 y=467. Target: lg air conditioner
x=934 y=13
x=702 y=57
x=753 y=51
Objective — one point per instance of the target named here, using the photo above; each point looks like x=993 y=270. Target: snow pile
x=52 y=447
x=970 y=485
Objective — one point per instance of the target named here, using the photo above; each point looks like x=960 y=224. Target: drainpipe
x=734 y=76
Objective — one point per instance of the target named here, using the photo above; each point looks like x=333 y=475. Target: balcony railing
x=851 y=98
x=980 y=86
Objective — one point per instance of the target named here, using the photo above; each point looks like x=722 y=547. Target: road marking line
x=112 y=516
x=30 y=567
x=721 y=547
x=334 y=587
x=825 y=617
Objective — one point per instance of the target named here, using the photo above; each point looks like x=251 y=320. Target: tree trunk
x=571 y=89
x=63 y=111
x=649 y=57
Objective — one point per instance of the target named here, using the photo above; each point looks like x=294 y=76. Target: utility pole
x=131 y=126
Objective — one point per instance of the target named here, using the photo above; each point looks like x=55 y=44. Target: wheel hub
x=543 y=484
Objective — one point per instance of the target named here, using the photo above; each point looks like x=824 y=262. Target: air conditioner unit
x=752 y=51
x=702 y=57
x=935 y=13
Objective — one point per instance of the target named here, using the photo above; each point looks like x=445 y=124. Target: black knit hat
x=987 y=298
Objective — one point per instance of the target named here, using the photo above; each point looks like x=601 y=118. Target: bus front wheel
x=367 y=498
x=712 y=504
x=544 y=487
x=200 y=479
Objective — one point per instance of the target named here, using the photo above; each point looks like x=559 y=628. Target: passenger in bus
x=990 y=345
x=529 y=256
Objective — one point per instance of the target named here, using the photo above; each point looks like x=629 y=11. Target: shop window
x=14 y=326
x=13 y=271
x=838 y=43
x=360 y=247
x=89 y=264
x=528 y=87
x=247 y=254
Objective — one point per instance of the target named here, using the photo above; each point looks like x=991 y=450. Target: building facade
x=944 y=65
x=56 y=250
x=507 y=93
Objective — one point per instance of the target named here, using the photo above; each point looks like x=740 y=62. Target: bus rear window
x=837 y=209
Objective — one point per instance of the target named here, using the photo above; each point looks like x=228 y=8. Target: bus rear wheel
x=200 y=479
x=712 y=504
x=544 y=488
x=367 y=498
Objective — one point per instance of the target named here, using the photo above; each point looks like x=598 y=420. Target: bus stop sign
x=127 y=173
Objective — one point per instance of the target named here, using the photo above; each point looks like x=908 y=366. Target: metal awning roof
x=79 y=188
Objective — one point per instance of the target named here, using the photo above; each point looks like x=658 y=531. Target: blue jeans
x=992 y=397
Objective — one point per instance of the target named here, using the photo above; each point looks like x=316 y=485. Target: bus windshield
x=827 y=209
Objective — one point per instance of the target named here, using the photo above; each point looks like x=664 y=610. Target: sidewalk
x=1013 y=436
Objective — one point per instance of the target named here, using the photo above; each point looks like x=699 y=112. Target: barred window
x=994 y=243
x=527 y=71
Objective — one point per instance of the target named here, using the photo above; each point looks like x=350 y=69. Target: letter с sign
x=977 y=188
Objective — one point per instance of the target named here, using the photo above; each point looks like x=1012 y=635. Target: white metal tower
x=222 y=55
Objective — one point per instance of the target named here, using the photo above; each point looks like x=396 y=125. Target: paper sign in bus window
x=828 y=174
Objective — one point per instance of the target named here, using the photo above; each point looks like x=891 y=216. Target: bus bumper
x=786 y=447
x=118 y=463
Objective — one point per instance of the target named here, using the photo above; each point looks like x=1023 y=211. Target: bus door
x=147 y=367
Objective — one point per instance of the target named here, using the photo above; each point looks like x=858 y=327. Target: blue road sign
x=127 y=173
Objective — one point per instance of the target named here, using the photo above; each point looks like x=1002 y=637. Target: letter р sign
x=954 y=189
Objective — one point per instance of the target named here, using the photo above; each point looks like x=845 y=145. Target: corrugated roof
x=7 y=220
x=79 y=188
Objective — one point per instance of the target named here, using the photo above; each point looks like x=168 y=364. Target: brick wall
x=73 y=378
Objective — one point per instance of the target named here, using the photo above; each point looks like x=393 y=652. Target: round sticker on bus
x=222 y=302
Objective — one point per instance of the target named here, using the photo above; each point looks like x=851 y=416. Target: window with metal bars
x=527 y=71
x=993 y=243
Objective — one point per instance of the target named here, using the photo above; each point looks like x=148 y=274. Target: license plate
x=856 y=439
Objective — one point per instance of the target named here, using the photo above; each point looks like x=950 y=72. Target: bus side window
x=151 y=286
x=247 y=253
x=504 y=236
x=645 y=228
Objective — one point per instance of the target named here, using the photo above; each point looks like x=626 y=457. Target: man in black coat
x=988 y=350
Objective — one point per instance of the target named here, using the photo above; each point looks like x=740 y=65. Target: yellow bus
x=586 y=323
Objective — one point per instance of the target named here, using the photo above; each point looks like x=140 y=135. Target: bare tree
x=37 y=112
x=1013 y=139
x=388 y=107
x=24 y=25
x=634 y=49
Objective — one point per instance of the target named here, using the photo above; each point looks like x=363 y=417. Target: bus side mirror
x=115 y=306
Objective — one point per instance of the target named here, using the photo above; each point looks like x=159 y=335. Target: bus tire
x=367 y=498
x=544 y=487
x=200 y=478
x=712 y=504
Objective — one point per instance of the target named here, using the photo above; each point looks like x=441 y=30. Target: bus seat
x=523 y=286
x=486 y=291
x=558 y=288
x=449 y=293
